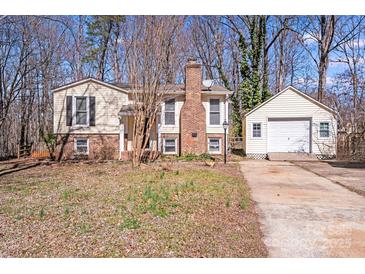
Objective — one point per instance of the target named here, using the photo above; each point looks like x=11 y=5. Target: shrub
x=50 y=140
x=195 y=157
x=106 y=152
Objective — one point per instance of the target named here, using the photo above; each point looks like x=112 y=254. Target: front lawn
x=110 y=210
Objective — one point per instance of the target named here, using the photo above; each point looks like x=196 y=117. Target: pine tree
x=100 y=29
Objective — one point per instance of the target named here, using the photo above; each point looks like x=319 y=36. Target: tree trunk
x=327 y=31
x=322 y=77
x=102 y=61
x=265 y=77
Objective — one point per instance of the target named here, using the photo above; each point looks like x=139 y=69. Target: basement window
x=82 y=146
x=324 y=129
x=214 y=145
x=169 y=146
x=256 y=130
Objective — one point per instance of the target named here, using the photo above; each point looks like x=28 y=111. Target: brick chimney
x=193 y=125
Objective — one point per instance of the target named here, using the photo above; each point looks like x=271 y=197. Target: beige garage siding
x=287 y=105
x=108 y=104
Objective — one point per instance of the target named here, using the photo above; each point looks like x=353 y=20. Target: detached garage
x=290 y=121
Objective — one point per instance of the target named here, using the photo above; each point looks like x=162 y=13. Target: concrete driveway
x=347 y=174
x=303 y=214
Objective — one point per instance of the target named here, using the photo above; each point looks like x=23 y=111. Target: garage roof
x=298 y=92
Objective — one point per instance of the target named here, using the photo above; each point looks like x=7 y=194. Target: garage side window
x=324 y=129
x=256 y=130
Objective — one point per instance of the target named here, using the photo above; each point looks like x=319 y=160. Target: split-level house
x=94 y=119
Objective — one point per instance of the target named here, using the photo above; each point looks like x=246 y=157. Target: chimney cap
x=192 y=60
x=192 y=63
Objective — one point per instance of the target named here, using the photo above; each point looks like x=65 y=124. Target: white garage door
x=288 y=135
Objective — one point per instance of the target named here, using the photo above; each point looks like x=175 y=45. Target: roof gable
x=96 y=81
x=292 y=89
x=128 y=88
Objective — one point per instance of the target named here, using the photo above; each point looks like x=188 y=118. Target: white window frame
x=255 y=137
x=319 y=130
x=75 y=145
x=164 y=111
x=74 y=124
x=164 y=145
x=220 y=114
x=220 y=145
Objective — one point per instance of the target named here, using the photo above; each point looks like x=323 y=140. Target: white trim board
x=83 y=81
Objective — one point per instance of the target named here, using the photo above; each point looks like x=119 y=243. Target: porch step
x=291 y=156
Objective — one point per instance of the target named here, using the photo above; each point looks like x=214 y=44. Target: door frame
x=272 y=119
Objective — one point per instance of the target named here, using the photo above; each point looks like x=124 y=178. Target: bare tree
x=326 y=32
x=150 y=42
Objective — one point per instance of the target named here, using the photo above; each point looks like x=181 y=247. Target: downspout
x=159 y=148
x=226 y=116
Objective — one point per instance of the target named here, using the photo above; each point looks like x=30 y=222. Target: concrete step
x=291 y=156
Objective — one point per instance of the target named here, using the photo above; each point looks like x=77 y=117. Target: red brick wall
x=101 y=146
x=193 y=112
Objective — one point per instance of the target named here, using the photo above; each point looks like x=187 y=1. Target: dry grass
x=110 y=210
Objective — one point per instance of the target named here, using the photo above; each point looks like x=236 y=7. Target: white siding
x=179 y=101
x=290 y=104
x=108 y=103
x=223 y=109
x=205 y=101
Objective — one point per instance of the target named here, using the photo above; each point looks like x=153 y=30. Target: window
x=214 y=145
x=169 y=146
x=214 y=114
x=81 y=111
x=82 y=146
x=170 y=112
x=324 y=129
x=256 y=130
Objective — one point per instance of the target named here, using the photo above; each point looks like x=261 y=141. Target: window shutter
x=92 y=110
x=69 y=111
